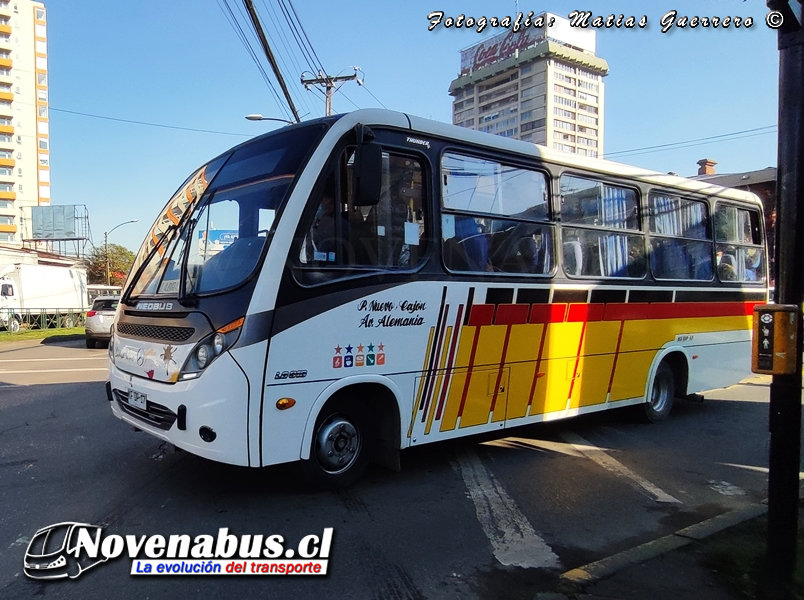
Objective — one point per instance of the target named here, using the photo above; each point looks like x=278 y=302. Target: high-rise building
x=541 y=84
x=24 y=134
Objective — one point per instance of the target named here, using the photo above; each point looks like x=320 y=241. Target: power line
x=306 y=54
x=306 y=37
x=73 y=112
x=238 y=29
x=373 y=96
x=688 y=143
x=280 y=33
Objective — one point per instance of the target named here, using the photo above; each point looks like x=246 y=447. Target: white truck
x=41 y=295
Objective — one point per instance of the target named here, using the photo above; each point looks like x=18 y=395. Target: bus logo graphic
x=359 y=359
x=53 y=553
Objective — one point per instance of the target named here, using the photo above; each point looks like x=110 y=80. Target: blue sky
x=180 y=63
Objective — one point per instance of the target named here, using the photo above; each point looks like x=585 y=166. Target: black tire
x=341 y=447
x=661 y=396
x=90 y=343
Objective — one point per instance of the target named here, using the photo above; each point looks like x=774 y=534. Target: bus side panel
x=522 y=357
x=718 y=360
x=483 y=377
x=595 y=364
x=459 y=376
x=561 y=346
x=631 y=374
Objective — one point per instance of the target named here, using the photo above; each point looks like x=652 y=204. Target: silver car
x=100 y=319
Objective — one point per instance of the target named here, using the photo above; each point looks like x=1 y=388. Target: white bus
x=392 y=281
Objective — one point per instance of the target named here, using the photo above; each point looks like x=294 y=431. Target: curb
x=605 y=567
x=55 y=339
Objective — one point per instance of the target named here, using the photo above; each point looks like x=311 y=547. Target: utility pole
x=270 y=56
x=330 y=84
x=785 y=391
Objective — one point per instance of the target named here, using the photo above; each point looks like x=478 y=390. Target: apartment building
x=541 y=84
x=24 y=133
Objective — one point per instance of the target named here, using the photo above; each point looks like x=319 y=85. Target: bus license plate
x=137 y=400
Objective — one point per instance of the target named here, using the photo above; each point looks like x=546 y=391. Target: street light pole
x=259 y=117
x=106 y=245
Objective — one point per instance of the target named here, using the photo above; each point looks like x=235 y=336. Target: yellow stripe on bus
x=417 y=398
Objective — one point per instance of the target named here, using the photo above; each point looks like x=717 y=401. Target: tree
x=120 y=261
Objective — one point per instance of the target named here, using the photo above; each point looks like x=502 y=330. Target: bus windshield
x=216 y=226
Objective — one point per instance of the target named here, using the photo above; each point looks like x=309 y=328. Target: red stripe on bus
x=585 y=312
x=448 y=374
x=538 y=364
x=547 y=313
x=502 y=367
x=512 y=314
x=429 y=391
x=577 y=361
x=469 y=371
x=616 y=356
x=481 y=314
x=689 y=310
x=626 y=312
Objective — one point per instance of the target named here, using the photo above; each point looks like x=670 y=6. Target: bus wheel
x=662 y=393
x=341 y=447
x=13 y=325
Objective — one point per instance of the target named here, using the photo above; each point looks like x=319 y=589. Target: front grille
x=156 y=332
x=155 y=414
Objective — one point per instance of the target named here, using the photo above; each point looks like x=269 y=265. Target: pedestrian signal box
x=775 y=339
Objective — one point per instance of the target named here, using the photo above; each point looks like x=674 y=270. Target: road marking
x=764 y=470
x=602 y=458
x=10 y=360
x=7 y=372
x=512 y=538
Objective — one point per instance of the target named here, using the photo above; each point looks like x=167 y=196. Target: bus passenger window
x=739 y=250
x=495 y=217
x=680 y=241
x=600 y=231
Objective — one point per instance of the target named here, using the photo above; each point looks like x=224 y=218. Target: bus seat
x=473 y=242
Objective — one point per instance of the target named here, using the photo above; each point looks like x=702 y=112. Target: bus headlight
x=202 y=356
x=210 y=348
x=218 y=342
x=111 y=346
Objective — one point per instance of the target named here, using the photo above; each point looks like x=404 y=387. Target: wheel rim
x=15 y=326
x=660 y=395
x=337 y=444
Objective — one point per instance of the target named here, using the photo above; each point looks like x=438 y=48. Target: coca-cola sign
x=498 y=47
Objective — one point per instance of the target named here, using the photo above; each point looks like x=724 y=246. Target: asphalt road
x=478 y=518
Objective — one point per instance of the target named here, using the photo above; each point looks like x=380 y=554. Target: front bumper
x=217 y=400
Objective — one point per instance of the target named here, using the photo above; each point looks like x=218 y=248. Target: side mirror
x=367 y=174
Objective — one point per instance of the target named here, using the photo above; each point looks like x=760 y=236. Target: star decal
x=360 y=348
x=371 y=347
x=338 y=349
x=381 y=347
x=348 y=349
